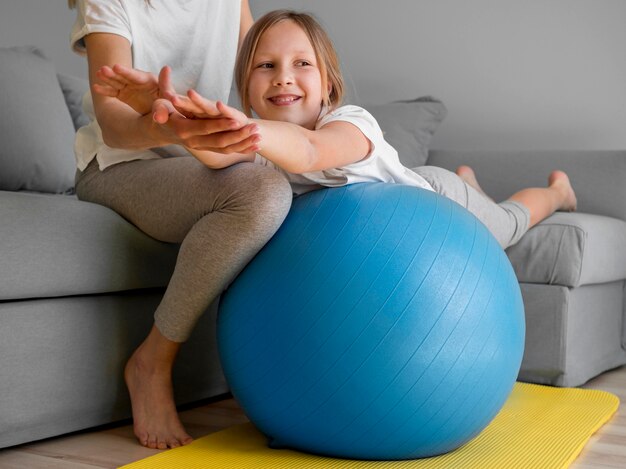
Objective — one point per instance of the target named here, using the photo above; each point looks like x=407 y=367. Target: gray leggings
x=221 y=218
x=507 y=221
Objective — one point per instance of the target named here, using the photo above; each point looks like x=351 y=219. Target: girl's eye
x=304 y=63
x=265 y=65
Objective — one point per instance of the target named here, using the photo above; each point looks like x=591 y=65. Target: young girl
x=287 y=73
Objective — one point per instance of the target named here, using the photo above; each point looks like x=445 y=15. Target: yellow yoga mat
x=538 y=427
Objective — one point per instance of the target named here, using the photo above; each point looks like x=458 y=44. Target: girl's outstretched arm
x=299 y=150
x=290 y=146
x=245 y=21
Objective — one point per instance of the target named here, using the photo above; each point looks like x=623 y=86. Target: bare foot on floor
x=155 y=419
x=560 y=180
x=467 y=174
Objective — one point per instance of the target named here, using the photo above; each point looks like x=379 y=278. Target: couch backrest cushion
x=74 y=89
x=409 y=126
x=36 y=130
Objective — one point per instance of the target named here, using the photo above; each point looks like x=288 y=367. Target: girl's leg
x=508 y=221
x=221 y=218
x=467 y=174
x=541 y=202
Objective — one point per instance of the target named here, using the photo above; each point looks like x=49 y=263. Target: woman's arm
x=246 y=20
x=124 y=127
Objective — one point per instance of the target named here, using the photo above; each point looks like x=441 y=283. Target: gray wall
x=533 y=74
x=43 y=23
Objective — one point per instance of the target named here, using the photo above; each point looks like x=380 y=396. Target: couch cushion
x=36 y=130
x=409 y=126
x=55 y=245
x=74 y=89
x=571 y=249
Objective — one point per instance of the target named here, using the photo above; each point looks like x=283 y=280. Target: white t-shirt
x=197 y=38
x=381 y=165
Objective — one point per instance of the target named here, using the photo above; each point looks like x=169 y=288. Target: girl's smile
x=285 y=83
x=284 y=99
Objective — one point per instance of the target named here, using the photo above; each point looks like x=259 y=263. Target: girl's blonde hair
x=325 y=55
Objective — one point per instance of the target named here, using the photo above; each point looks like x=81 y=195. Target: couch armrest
x=598 y=177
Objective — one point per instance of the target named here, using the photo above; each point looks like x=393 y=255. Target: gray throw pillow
x=74 y=89
x=409 y=126
x=36 y=130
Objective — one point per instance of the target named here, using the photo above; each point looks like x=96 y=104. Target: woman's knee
x=263 y=193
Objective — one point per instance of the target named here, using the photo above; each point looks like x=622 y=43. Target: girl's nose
x=283 y=78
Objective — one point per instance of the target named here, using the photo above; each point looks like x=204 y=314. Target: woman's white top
x=196 y=38
x=381 y=165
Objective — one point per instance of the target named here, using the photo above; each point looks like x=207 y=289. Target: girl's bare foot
x=155 y=419
x=467 y=174
x=560 y=181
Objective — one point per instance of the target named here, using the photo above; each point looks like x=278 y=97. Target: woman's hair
x=72 y=3
x=325 y=55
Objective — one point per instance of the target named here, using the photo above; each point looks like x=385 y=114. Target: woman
x=134 y=162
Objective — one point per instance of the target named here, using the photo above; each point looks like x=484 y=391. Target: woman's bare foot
x=149 y=380
x=560 y=181
x=467 y=174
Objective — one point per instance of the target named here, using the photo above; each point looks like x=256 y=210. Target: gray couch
x=79 y=284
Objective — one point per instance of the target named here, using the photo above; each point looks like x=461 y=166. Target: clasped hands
x=190 y=120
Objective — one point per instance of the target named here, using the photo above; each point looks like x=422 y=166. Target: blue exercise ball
x=381 y=322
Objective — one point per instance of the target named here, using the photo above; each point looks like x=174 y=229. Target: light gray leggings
x=220 y=217
x=507 y=221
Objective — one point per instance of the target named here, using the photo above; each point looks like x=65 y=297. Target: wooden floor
x=112 y=447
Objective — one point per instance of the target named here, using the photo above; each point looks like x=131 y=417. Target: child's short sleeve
x=380 y=165
x=358 y=117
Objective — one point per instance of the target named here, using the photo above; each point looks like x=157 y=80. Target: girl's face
x=285 y=83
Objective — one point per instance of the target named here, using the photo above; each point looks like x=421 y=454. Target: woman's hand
x=136 y=88
x=197 y=126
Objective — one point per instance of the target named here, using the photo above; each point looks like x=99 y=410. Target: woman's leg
x=221 y=218
x=148 y=376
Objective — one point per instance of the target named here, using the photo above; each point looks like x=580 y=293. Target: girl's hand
x=243 y=133
x=134 y=87
x=195 y=106
x=214 y=134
